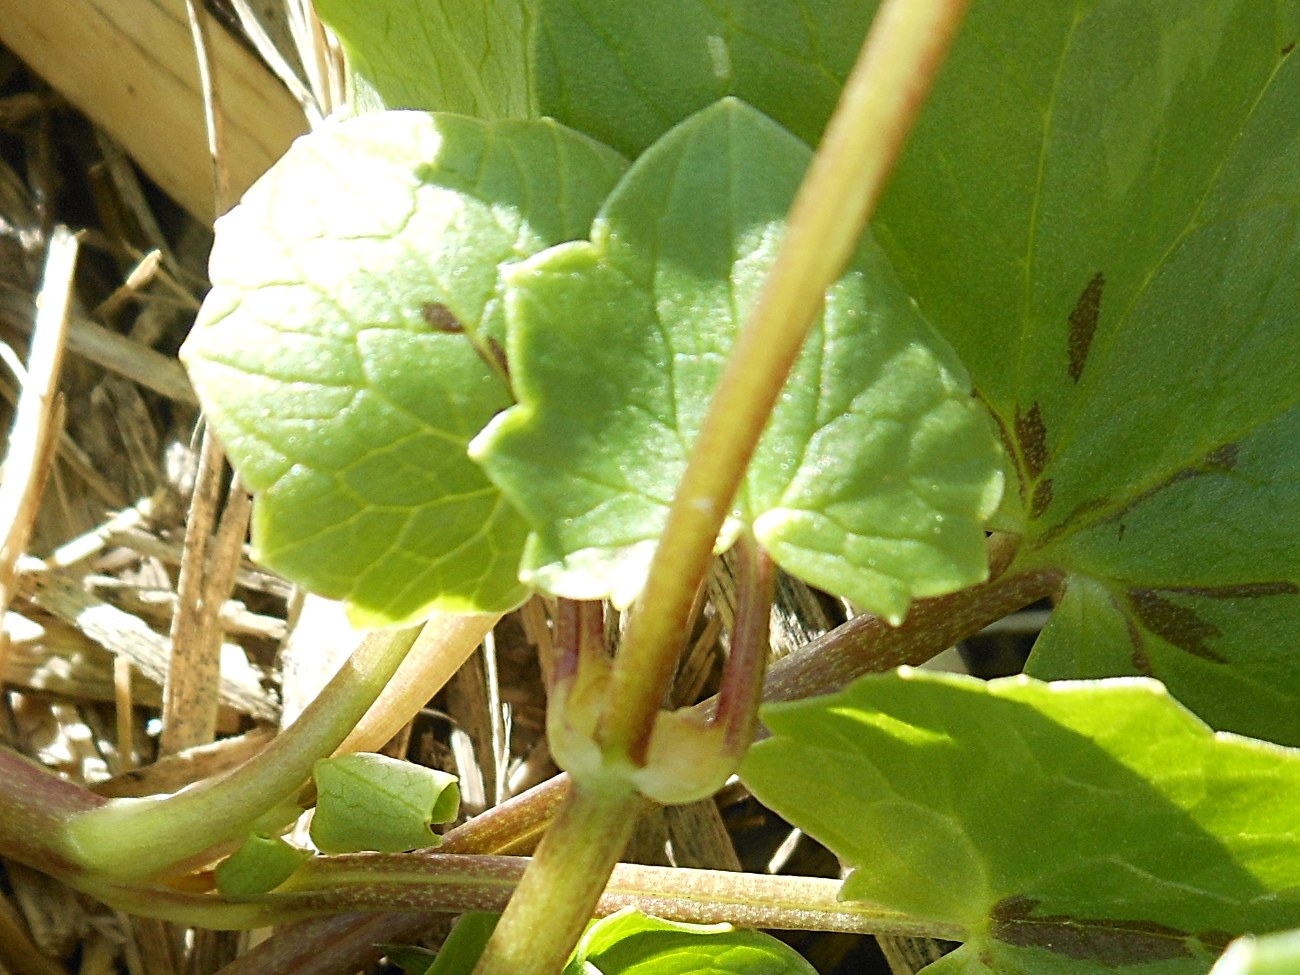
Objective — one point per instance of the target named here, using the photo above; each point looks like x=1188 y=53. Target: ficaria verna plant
x=576 y=295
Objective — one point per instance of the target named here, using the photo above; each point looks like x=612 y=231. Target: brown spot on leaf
x=1288 y=49
x=1241 y=590
x=1215 y=939
x=1042 y=498
x=1031 y=434
x=1222 y=458
x=1083 y=324
x=1217 y=461
x=1108 y=941
x=499 y=357
x=1175 y=624
x=440 y=318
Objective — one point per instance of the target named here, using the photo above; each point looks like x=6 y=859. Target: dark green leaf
x=1099 y=209
x=623 y=73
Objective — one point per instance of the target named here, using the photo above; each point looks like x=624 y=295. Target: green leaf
x=1112 y=249
x=373 y=802
x=627 y=72
x=632 y=943
x=330 y=360
x=458 y=954
x=467 y=56
x=261 y=864
x=1273 y=954
x=877 y=470
x=623 y=73
x=1069 y=828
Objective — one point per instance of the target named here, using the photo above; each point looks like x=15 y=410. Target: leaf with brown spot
x=1113 y=252
x=1042 y=497
x=1076 y=828
x=1031 y=435
x=1110 y=941
x=1083 y=324
x=1175 y=624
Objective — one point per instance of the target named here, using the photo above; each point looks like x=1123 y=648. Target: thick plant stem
x=455 y=883
x=881 y=99
x=538 y=930
x=131 y=838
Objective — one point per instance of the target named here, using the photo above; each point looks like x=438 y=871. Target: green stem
x=863 y=645
x=538 y=930
x=880 y=101
x=456 y=883
x=130 y=838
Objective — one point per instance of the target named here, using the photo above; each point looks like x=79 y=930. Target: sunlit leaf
x=878 y=468
x=1067 y=828
x=623 y=73
x=372 y=802
x=349 y=349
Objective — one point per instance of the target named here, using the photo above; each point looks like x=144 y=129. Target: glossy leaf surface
x=1069 y=828
x=877 y=469
x=1112 y=249
x=348 y=349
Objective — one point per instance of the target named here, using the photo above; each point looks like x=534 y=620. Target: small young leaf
x=877 y=469
x=348 y=349
x=373 y=802
x=1068 y=827
x=261 y=863
x=632 y=943
x=1112 y=251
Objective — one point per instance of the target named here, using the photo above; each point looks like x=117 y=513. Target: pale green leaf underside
x=877 y=469
x=1069 y=827
x=1113 y=250
x=632 y=943
x=623 y=73
x=327 y=359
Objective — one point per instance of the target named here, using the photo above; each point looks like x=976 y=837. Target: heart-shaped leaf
x=877 y=469
x=349 y=347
